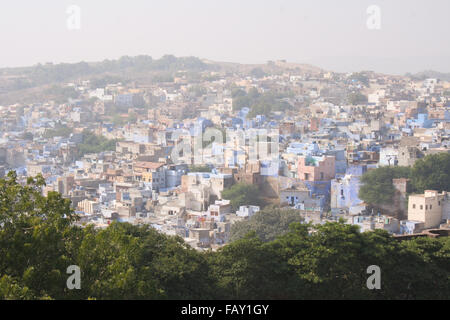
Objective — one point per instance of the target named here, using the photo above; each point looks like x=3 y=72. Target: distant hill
x=272 y=67
x=41 y=74
x=429 y=74
x=22 y=84
x=25 y=84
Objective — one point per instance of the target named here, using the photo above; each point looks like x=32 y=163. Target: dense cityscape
x=171 y=143
x=184 y=178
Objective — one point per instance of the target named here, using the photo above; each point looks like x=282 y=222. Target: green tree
x=242 y=194
x=267 y=224
x=61 y=94
x=10 y=289
x=204 y=168
x=251 y=269
x=38 y=241
x=331 y=261
x=377 y=187
x=238 y=92
x=259 y=103
x=33 y=234
x=95 y=144
x=357 y=98
x=137 y=262
x=257 y=73
x=432 y=173
x=118 y=120
x=58 y=131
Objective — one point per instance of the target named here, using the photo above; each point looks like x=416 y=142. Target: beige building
x=88 y=206
x=427 y=208
x=130 y=147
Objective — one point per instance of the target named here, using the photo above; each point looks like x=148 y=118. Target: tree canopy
x=330 y=261
x=432 y=173
x=257 y=73
x=259 y=103
x=95 y=144
x=429 y=173
x=357 y=98
x=242 y=194
x=199 y=168
x=40 y=237
x=377 y=187
x=267 y=224
x=58 y=131
x=38 y=241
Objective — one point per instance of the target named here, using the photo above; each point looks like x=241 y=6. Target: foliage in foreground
x=38 y=241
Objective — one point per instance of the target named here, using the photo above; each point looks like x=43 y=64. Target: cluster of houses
x=176 y=150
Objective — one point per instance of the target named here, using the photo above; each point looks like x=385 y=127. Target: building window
x=421 y=207
x=439 y=203
x=414 y=206
x=431 y=206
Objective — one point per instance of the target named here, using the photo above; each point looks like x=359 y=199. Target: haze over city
x=413 y=35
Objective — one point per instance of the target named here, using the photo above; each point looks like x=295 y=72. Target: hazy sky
x=333 y=34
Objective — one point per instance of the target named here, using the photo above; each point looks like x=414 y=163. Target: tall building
x=431 y=208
